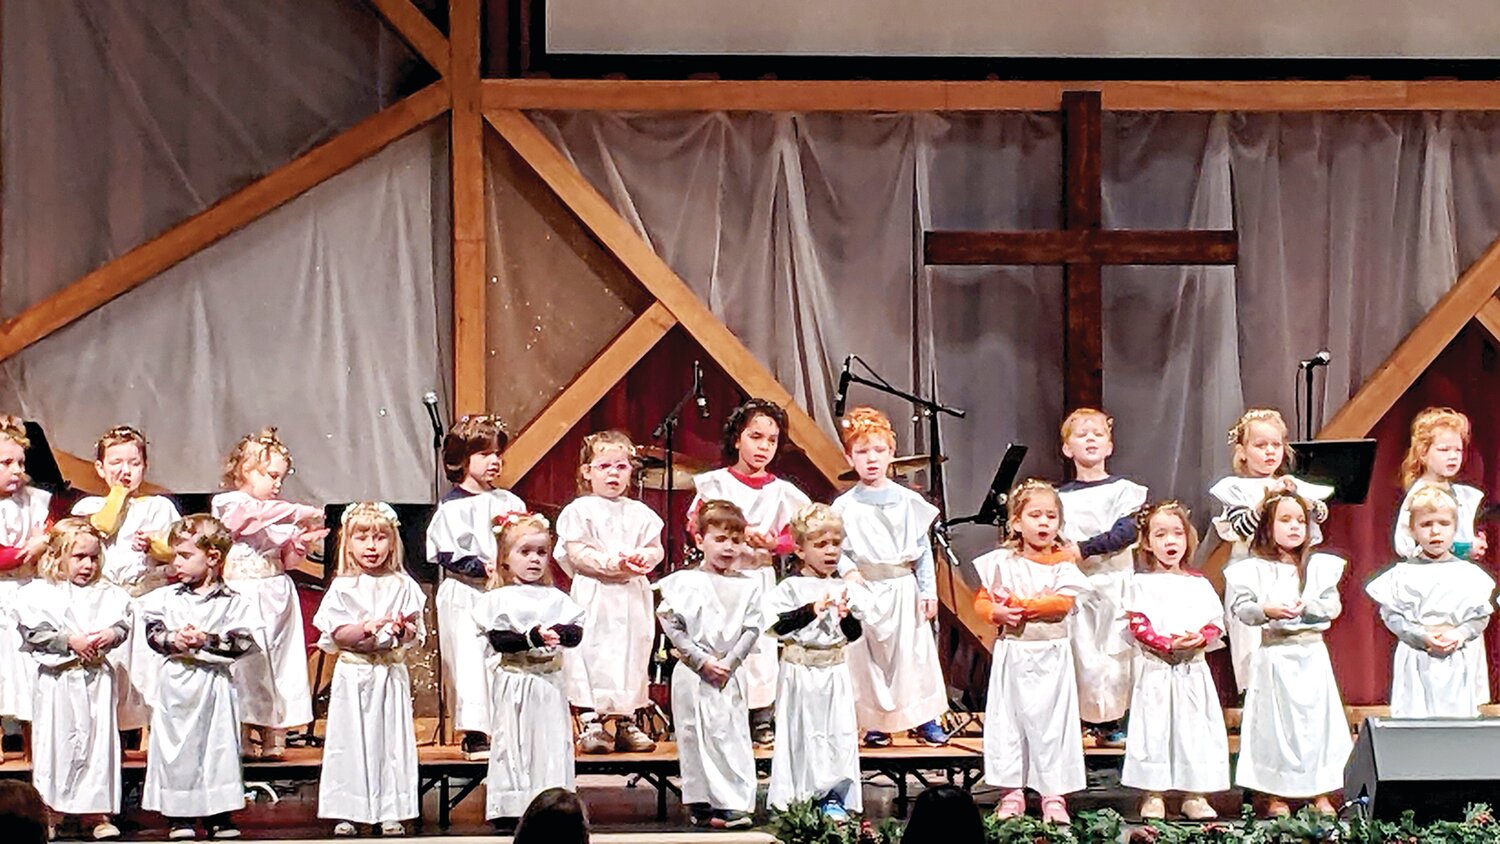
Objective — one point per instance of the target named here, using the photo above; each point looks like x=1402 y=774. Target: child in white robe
x=1100 y=510
x=1177 y=740
x=1028 y=586
x=1294 y=739
x=201 y=626
x=133 y=526
x=898 y=682
x=1439 y=436
x=69 y=619
x=1437 y=605
x=270 y=536
x=713 y=616
x=608 y=542
x=1258 y=454
x=527 y=622
x=461 y=542
x=24 y=516
x=816 y=617
x=370 y=619
x=752 y=434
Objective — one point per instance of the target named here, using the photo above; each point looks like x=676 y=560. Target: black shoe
x=476 y=746
x=700 y=814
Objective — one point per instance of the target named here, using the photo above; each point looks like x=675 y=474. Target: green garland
x=804 y=823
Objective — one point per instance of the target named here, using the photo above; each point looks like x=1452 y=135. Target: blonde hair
x=597 y=442
x=259 y=447
x=13 y=428
x=1424 y=431
x=815 y=520
x=1430 y=499
x=865 y=421
x=369 y=515
x=60 y=541
x=1083 y=413
x=209 y=535
x=1241 y=432
x=1263 y=542
x=1016 y=502
x=119 y=435
x=1144 y=557
x=509 y=530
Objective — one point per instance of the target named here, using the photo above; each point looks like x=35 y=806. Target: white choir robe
x=464 y=527
x=1419 y=593
x=1233 y=492
x=898 y=681
x=608 y=671
x=768 y=508
x=1032 y=737
x=1294 y=739
x=370 y=753
x=531 y=731
x=193 y=752
x=75 y=742
x=136 y=665
x=1176 y=739
x=1102 y=648
x=713 y=729
x=817 y=732
x=272 y=684
x=23 y=516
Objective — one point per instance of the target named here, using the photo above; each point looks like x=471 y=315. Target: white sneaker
x=344 y=829
x=182 y=833
x=1153 y=808
x=1195 y=808
x=392 y=828
x=105 y=831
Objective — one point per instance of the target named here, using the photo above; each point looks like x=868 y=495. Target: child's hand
x=35 y=546
x=312 y=535
x=1287 y=484
x=1006 y=615
x=760 y=540
x=141 y=542
x=928 y=607
x=1189 y=642
x=83 y=645
x=715 y=673
x=1478 y=546
x=1282 y=612
x=1070 y=549
x=856 y=578
x=1441 y=644
x=549 y=637
x=637 y=564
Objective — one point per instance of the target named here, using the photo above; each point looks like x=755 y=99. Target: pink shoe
x=1012 y=805
x=1055 y=810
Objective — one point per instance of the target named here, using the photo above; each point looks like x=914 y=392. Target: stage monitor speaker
x=1434 y=767
x=413 y=518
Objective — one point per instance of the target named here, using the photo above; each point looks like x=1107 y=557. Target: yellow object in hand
x=107 y=520
x=160 y=551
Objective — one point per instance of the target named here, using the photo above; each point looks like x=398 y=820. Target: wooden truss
x=471 y=102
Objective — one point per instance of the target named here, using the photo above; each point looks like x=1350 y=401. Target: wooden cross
x=1083 y=247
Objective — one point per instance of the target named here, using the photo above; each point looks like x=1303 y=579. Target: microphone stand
x=666 y=432
x=1307 y=386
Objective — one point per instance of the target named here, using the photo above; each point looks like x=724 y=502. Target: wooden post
x=470 y=309
x=1083 y=294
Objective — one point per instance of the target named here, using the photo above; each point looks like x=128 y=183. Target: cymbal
x=900 y=467
x=655 y=477
x=650 y=456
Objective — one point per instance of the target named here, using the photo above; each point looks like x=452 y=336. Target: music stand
x=1345 y=465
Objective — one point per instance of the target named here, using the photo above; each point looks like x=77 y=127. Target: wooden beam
x=1489 y=317
x=596 y=379
x=466 y=158
x=1473 y=292
x=956 y=595
x=233 y=212
x=638 y=258
x=1083 y=292
x=864 y=95
x=416 y=30
x=1111 y=246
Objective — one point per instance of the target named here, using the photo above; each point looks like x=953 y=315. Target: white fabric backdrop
x=325 y=318
x=802 y=231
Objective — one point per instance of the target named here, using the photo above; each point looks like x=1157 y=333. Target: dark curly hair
x=740 y=419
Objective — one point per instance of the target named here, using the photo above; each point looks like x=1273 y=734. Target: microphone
x=698 y=397
x=840 y=398
x=430 y=401
x=1320 y=359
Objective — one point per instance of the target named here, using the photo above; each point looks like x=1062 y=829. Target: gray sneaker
x=596 y=740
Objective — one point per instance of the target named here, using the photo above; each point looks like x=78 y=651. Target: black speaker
x=1433 y=767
